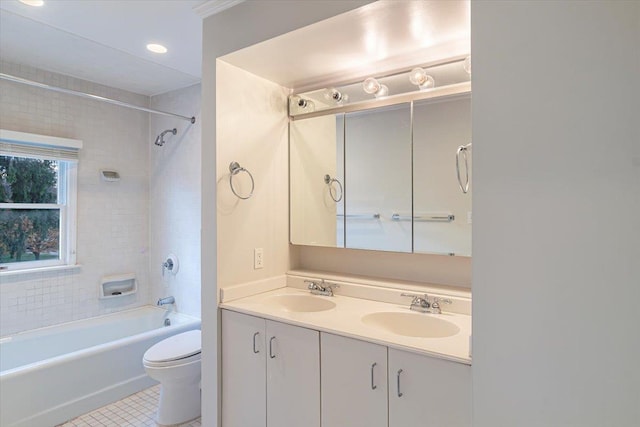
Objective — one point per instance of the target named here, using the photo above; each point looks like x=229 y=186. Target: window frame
x=67 y=187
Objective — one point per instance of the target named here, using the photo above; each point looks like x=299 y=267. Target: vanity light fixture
x=419 y=77
x=304 y=104
x=156 y=48
x=372 y=86
x=382 y=92
x=35 y=3
x=336 y=96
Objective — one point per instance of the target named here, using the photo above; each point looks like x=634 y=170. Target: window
x=37 y=200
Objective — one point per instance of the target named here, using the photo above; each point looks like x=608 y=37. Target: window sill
x=40 y=270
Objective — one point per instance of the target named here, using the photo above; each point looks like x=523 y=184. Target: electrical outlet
x=469 y=217
x=258 y=258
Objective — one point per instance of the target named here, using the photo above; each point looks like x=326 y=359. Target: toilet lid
x=177 y=347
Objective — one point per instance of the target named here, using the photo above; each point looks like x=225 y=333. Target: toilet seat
x=175 y=350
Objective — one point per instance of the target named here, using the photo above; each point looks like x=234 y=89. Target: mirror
x=383 y=177
x=378 y=178
x=442 y=212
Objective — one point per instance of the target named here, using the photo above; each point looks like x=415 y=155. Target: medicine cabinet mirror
x=384 y=173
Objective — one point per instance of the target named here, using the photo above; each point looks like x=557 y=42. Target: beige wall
x=252 y=130
x=420 y=268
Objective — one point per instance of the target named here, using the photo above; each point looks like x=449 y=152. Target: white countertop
x=345 y=319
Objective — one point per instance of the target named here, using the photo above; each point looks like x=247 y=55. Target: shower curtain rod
x=90 y=96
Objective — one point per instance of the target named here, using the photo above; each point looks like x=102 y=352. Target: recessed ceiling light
x=156 y=48
x=33 y=2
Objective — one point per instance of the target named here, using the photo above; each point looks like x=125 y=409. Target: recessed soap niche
x=118 y=285
x=109 y=175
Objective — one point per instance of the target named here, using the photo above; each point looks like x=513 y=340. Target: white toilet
x=175 y=363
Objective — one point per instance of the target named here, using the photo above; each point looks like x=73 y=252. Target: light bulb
x=467 y=64
x=382 y=91
x=428 y=82
x=371 y=85
x=417 y=76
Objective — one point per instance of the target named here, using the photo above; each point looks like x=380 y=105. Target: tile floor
x=136 y=410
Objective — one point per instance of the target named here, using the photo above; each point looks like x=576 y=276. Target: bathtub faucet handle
x=170 y=264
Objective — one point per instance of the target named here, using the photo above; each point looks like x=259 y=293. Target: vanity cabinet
x=354 y=382
x=360 y=378
x=270 y=373
x=425 y=391
x=275 y=375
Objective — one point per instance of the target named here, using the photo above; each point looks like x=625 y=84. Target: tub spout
x=166 y=300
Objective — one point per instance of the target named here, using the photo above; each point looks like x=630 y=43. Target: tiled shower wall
x=113 y=226
x=174 y=199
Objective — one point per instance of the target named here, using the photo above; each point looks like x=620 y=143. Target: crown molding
x=211 y=7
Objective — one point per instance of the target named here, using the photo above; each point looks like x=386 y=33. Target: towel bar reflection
x=235 y=168
x=424 y=217
x=361 y=216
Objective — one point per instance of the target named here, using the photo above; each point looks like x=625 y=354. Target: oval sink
x=411 y=325
x=300 y=303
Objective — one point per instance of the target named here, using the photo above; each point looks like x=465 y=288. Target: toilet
x=175 y=363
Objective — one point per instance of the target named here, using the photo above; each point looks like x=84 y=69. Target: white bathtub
x=53 y=374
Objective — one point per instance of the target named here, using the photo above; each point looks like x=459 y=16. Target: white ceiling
x=104 y=41
x=374 y=40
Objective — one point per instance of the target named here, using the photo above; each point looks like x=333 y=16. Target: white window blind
x=22 y=144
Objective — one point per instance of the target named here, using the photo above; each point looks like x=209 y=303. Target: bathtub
x=52 y=374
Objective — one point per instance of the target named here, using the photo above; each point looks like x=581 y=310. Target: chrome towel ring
x=235 y=168
x=328 y=180
x=463 y=150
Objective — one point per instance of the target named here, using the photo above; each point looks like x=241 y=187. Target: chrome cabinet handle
x=254 y=342
x=271 y=355
x=373 y=386
x=399 y=392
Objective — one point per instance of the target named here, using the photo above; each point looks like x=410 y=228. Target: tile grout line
x=137 y=410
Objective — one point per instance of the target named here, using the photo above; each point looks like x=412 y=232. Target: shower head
x=160 y=138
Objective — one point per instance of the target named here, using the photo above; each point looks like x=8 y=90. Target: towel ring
x=235 y=168
x=463 y=150
x=328 y=180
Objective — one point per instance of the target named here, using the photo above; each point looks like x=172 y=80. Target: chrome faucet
x=322 y=287
x=422 y=304
x=166 y=300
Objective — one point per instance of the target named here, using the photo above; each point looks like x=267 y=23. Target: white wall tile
x=113 y=227
x=174 y=199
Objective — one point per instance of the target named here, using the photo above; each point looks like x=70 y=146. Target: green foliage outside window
x=28 y=234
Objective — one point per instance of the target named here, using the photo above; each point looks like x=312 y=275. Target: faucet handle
x=312 y=284
x=331 y=285
x=437 y=301
x=418 y=299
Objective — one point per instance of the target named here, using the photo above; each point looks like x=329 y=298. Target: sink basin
x=300 y=303
x=411 y=325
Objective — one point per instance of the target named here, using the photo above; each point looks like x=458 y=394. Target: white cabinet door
x=243 y=370
x=293 y=376
x=428 y=392
x=354 y=382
